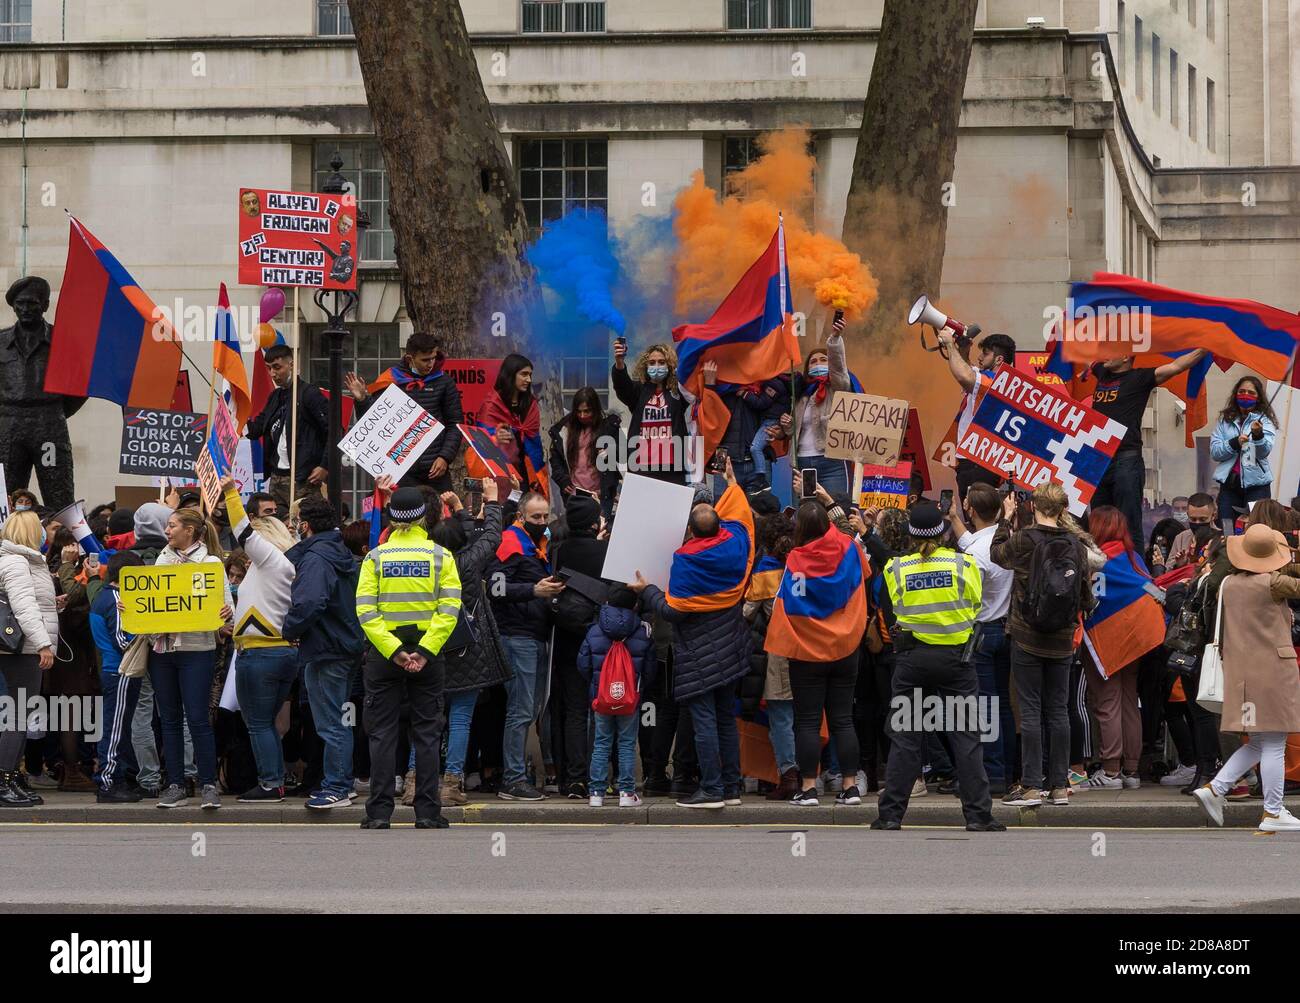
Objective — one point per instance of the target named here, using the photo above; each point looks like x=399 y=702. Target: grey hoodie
x=151 y=520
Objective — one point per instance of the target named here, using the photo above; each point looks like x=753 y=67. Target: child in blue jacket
x=616 y=621
x=117 y=763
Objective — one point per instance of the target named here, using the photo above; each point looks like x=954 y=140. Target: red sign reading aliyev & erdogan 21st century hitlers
x=297 y=239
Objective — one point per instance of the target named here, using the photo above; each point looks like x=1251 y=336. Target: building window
x=363 y=168
x=1209 y=114
x=15 y=20
x=738 y=152
x=757 y=15
x=1173 y=88
x=556 y=175
x=586 y=364
x=1209 y=19
x=333 y=17
x=1191 y=12
x=1138 y=72
x=1155 y=73
x=555 y=16
x=1191 y=101
x=1123 y=40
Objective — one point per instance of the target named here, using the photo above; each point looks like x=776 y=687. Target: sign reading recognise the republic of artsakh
x=172 y=598
x=1031 y=433
x=391 y=435
x=865 y=428
x=297 y=239
x=885 y=487
x=161 y=443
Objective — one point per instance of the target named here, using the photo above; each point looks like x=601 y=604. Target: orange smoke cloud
x=718 y=239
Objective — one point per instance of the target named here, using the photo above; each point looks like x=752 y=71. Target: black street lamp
x=336 y=333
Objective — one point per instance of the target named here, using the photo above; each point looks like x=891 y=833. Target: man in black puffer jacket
x=421 y=378
x=711 y=640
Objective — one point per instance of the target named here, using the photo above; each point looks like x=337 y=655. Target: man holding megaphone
x=992 y=351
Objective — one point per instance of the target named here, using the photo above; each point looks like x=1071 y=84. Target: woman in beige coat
x=1261 y=685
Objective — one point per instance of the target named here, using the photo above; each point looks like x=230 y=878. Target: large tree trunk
x=896 y=216
x=453 y=202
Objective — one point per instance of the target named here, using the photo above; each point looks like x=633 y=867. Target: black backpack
x=1052 y=592
x=575 y=608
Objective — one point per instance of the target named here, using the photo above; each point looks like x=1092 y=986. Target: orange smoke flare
x=718 y=239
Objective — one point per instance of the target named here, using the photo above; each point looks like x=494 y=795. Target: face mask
x=1247 y=402
x=817 y=372
x=234 y=592
x=535 y=532
x=586 y=420
x=1204 y=533
x=657 y=373
x=1181 y=517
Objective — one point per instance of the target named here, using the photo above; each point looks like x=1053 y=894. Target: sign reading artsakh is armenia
x=1031 y=433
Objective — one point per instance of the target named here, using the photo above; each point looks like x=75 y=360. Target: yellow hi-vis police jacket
x=935 y=597
x=408 y=580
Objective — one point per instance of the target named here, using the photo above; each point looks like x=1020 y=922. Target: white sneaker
x=1131 y=781
x=1213 y=804
x=1284 y=821
x=632 y=800
x=1180 y=777
x=596 y=801
x=1105 y=781
x=919 y=790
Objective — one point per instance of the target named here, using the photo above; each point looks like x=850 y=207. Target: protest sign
x=651 y=524
x=181 y=398
x=391 y=435
x=217 y=460
x=172 y=598
x=1032 y=433
x=297 y=239
x=474 y=378
x=161 y=443
x=1035 y=364
x=913 y=450
x=132 y=496
x=885 y=487
x=865 y=428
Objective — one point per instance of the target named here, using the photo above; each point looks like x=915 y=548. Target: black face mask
x=535 y=532
x=1204 y=533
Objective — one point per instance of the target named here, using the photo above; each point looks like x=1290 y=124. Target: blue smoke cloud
x=576 y=260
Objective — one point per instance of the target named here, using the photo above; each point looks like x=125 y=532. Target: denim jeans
x=780 y=731
x=145 y=746
x=263 y=678
x=182 y=682
x=525 y=699
x=1041 y=685
x=460 y=713
x=762 y=465
x=717 y=743
x=607 y=726
x=993 y=667
x=833 y=475
x=116 y=756
x=1121 y=485
x=329 y=688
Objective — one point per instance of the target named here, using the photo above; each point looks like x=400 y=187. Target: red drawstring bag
x=616 y=692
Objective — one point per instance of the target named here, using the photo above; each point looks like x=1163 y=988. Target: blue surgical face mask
x=22 y=508
x=43 y=539
x=547 y=534
x=817 y=372
x=657 y=373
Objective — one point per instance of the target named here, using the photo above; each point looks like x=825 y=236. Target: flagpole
x=212 y=396
x=293 y=408
x=1286 y=422
x=794 y=408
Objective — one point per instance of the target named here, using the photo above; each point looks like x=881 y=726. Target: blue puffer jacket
x=616 y=624
x=322 y=613
x=1225 y=447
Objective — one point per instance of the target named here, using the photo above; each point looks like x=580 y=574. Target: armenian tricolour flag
x=515 y=540
x=820 y=612
x=709 y=573
x=1129 y=620
x=1114 y=313
x=766 y=579
x=404 y=378
x=750 y=336
x=110 y=340
x=228 y=361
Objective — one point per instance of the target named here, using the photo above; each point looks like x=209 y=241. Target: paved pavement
x=1150 y=806
x=531 y=868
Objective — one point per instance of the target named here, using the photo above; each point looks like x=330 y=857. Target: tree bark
x=454 y=206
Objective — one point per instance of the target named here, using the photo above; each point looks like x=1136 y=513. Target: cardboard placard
x=161 y=443
x=297 y=239
x=132 y=496
x=865 y=428
x=885 y=487
x=217 y=460
x=172 y=598
x=650 y=525
x=391 y=435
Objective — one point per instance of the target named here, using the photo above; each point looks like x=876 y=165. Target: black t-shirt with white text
x=1124 y=396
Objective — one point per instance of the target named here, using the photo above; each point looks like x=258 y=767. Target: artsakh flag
x=750 y=337
x=485 y=458
x=1114 y=313
x=820 y=612
x=228 y=361
x=1129 y=620
x=710 y=573
x=110 y=340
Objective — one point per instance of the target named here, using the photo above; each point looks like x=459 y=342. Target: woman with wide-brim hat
x=1261 y=685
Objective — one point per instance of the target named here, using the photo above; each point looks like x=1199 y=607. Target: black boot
x=11 y=795
x=20 y=781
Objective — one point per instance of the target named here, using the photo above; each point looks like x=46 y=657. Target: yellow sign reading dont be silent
x=171 y=599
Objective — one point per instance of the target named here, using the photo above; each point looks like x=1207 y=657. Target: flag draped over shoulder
x=515 y=540
x=229 y=363
x=766 y=579
x=820 y=612
x=1129 y=620
x=1112 y=312
x=710 y=573
x=404 y=379
x=750 y=337
x=110 y=340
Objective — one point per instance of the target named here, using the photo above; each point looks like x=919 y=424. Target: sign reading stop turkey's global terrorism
x=297 y=239
x=1031 y=433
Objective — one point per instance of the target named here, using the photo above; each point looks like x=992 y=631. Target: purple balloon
x=272 y=303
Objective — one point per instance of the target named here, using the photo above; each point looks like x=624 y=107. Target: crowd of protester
x=469 y=646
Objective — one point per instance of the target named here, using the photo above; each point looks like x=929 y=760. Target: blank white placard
x=648 y=527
